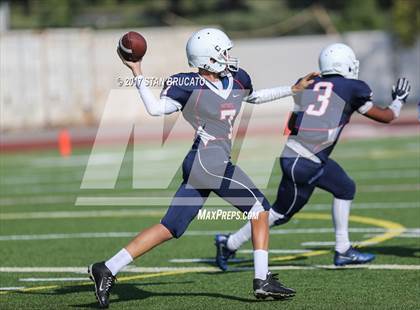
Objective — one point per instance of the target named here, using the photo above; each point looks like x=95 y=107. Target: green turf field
x=47 y=241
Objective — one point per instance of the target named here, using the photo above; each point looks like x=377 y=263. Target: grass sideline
x=387 y=173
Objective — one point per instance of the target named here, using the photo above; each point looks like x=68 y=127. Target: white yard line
x=202 y=260
x=385 y=174
x=53 y=279
x=278 y=251
x=88 y=235
x=161 y=211
x=371 y=205
x=82 y=214
x=76 y=160
x=202 y=269
x=74 y=187
x=44 y=269
x=151 y=201
x=67 y=236
x=388 y=188
x=74 y=190
x=76 y=177
x=37 y=200
x=12 y=288
x=372 y=188
x=237 y=260
x=319 y=243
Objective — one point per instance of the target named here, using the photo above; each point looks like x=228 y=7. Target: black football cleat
x=271 y=287
x=104 y=280
x=352 y=256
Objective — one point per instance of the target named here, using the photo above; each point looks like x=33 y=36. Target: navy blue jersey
x=211 y=111
x=322 y=111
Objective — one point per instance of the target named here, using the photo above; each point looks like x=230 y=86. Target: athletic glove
x=399 y=95
x=402 y=90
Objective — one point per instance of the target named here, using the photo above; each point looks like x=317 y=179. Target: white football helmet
x=209 y=49
x=340 y=59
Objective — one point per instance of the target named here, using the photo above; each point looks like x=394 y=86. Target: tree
x=406 y=20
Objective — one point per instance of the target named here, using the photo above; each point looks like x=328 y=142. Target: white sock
x=261 y=264
x=118 y=261
x=341 y=213
x=236 y=240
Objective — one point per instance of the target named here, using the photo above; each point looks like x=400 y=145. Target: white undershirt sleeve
x=365 y=108
x=269 y=94
x=154 y=107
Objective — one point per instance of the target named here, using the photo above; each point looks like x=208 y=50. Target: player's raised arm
x=304 y=82
x=153 y=106
x=399 y=96
x=271 y=94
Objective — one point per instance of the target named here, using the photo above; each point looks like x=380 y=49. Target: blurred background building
x=58 y=60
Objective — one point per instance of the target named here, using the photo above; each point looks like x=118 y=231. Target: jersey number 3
x=323 y=98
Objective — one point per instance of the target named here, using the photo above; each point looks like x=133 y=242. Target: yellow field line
x=395 y=230
x=120 y=279
x=152 y=275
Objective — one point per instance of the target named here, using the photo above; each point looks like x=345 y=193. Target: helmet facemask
x=354 y=70
x=224 y=59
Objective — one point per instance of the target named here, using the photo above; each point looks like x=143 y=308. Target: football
x=132 y=46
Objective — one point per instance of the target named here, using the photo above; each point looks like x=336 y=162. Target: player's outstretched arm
x=271 y=94
x=304 y=82
x=400 y=94
x=153 y=106
x=380 y=115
